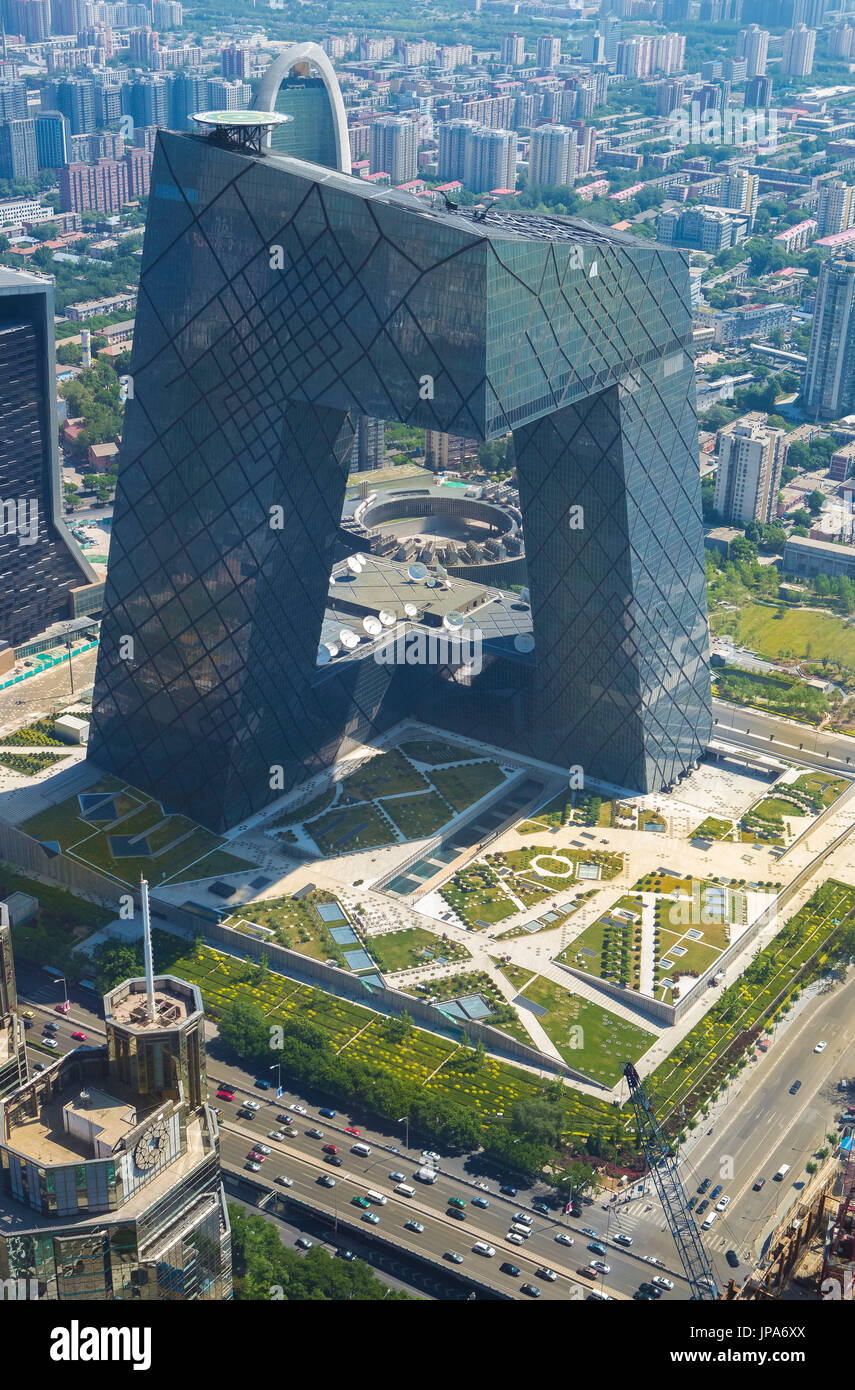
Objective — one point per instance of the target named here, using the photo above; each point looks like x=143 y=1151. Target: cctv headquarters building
x=281 y=298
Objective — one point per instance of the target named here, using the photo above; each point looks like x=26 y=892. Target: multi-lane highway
x=783 y=738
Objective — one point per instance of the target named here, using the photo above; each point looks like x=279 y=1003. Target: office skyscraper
x=53 y=137
x=40 y=564
x=109 y=1162
x=553 y=155
x=799 y=45
x=13 y=101
x=829 y=385
x=13 y=1054
x=579 y=340
x=395 y=148
x=753 y=46
x=18 y=155
x=749 y=474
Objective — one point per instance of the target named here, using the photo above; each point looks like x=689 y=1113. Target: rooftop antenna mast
x=149 y=961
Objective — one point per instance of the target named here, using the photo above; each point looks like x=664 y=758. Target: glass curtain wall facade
x=277 y=300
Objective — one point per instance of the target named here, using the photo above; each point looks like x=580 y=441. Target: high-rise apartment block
x=669 y=96
x=645 y=54
x=395 y=148
x=753 y=45
x=594 y=48
x=40 y=564
x=513 y=50
x=799 y=46
x=75 y=98
x=553 y=155
x=740 y=190
x=758 y=93
x=18 y=151
x=490 y=159
x=841 y=41
x=829 y=384
x=548 y=52
x=749 y=473
x=236 y=62
x=836 y=211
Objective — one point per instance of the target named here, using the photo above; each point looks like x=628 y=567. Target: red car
x=62 y=1008
x=330 y=1149
x=80 y=1037
x=225 y=1093
x=352 y=1130
x=587 y=1272
x=255 y=1156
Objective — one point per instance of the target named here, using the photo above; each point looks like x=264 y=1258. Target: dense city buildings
x=13 y=1053
x=40 y=564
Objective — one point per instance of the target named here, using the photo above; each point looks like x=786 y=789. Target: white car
x=601 y=1267
x=285 y=1182
x=548 y=1274
x=251 y=1105
x=264 y=1149
x=821 y=1046
x=513 y=1239
x=661 y=1282
x=563 y=1238
x=298 y=1109
x=482 y=1248
x=722 y=1203
x=482 y=1187
x=654 y=1260
x=49 y=1042
x=277 y=1134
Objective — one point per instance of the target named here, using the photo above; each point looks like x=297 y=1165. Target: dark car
x=692 y=1202
x=325 y=1111
x=704 y=1186
x=716 y=1192
x=531 y=1289
x=701 y=1207
x=759 y=1183
x=643 y=1297
x=334 y=1160
x=576 y=1211
x=650 y=1289
x=456 y=1213
x=508 y=1190
x=508 y=1268
x=795 y=1087
x=543 y=1207
x=345 y=1255
x=262 y=1083
x=732 y=1259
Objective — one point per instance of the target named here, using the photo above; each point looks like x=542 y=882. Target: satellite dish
x=410 y=610
x=417 y=571
x=453 y=621
x=348 y=638
x=525 y=595
x=441 y=570
x=431 y=583
x=524 y=642
x=387 y=619
x=326 y=652
x=372 y=626
x=353 y=564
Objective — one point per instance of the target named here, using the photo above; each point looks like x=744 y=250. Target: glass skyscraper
x=279 y=297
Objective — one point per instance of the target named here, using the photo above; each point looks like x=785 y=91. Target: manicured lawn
x=346 y=829
x=773 y=807
x=588 y=1036
x=417 y=816
x=476 y=896
x=822 y=786
x=805 y=631
x=434 y=752
x=463 y=786
x=399 y=950
x=387 y=774
x=30 y=763
x=296 y=924
x=544 y=863
x=297 y=814
x=713 y=828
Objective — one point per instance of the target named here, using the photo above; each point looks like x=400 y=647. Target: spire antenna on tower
x=149 y=960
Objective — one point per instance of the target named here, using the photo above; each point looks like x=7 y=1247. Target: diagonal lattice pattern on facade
x=276 y=300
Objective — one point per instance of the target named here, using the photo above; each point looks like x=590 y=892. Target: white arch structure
x=281 y=66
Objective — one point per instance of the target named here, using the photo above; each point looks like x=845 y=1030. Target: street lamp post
x=405 y=1120
x=62 y=981
x=277 y=1067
